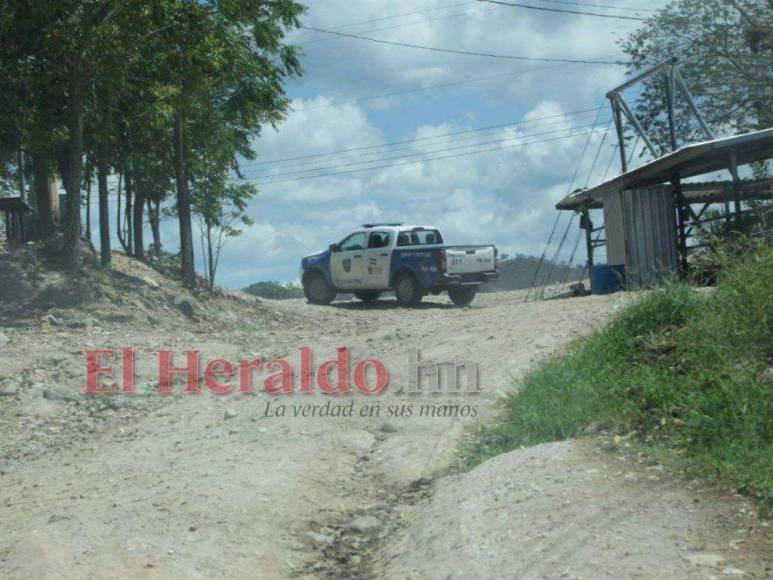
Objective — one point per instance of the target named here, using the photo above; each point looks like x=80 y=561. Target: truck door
x=377 y=260
x=346 y=265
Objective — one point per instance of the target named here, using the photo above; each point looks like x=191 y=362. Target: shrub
x=688 y=371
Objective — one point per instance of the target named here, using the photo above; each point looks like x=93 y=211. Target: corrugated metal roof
x=689 y=161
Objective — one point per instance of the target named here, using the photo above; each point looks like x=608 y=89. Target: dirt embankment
x=214 y=486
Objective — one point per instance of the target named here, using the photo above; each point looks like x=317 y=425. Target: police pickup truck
x=411 y=260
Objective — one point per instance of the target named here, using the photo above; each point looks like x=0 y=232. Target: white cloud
x=505 y=196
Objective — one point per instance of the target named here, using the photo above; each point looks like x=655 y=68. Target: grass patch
x=690 y=372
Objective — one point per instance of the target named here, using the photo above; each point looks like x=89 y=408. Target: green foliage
x=84 y=77
x=686 y=370
x=275 y=290
x=724 y=49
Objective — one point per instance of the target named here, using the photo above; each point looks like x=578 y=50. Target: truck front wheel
x=407 y=290
x=317 y=290
x=462 y=295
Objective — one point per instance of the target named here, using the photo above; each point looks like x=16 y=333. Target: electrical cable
x=581 y=113
x=461 y=52
x=564 y=10
x=569 y=190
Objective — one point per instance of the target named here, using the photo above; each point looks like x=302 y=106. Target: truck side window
x=378 y=240
x=404 y=239
x=354 y=242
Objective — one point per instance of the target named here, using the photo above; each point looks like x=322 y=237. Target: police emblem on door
x=347 y=265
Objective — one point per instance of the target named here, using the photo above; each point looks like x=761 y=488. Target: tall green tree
x=223 y=64
x=725 y=54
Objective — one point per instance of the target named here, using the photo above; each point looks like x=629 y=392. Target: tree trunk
x=210 y=258
x=139 y=245
x=119 y=215
x=20 y=164
x=128 y=217
x=41 y=172
x=183 y=203
x=103 y=169
x=88 y=208
x=154 y=214
x=74 y=154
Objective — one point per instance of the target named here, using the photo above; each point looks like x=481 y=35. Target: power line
x=461 y=52
x=564 y=10
x=418 y=154
x=393 y=16
x=414 y=23
x=390 y=165
x=565 y=277
x=443 y=135
x=362 y=157
x=589 y=5
x=569 y=190
x=445 y=85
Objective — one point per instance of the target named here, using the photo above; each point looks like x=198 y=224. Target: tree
x=220 y=207
x=132 y=85
x=226 y=61
x=725 y=54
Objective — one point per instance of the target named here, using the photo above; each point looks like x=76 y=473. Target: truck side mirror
x=334 y=248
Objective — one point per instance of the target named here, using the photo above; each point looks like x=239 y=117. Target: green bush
x=688 y=371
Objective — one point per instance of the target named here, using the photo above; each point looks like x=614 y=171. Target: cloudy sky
x=482 y=147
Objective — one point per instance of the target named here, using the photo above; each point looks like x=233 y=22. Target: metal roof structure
x=689 y=161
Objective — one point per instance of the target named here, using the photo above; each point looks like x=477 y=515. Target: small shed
x=14 y=210
x=641 y=233
x=651 y=216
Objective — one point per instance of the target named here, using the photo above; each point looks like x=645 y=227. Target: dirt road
x=210 y=486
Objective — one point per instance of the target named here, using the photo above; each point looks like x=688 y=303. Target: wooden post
x=681 y=240
x=588 y=225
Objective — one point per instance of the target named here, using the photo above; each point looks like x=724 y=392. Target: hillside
x=686 y=373
x=517 y=273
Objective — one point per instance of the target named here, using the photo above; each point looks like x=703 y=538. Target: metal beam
x=670 y=97
x=686 y=93
x=620 y=134
x=636 y=125
x=633 y=80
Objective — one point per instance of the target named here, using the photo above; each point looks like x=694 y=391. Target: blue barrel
x=607 y=278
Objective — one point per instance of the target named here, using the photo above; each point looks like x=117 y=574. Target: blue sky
x=505 y=196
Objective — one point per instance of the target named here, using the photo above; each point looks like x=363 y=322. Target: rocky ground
x=207 y=486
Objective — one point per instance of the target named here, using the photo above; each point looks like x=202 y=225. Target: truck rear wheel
x=462 y=295
x=317 y=290
x=407 y=290
x=368 y=295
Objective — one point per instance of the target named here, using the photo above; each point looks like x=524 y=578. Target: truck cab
x=411 y=260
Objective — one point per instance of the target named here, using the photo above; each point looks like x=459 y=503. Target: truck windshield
x=419 y=238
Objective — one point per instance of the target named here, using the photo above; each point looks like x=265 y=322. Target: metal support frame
x=688 y=97
x=620 y=136
x=636 y=125
x=674 y=81
x=670 y=80
x=620 y=108
x=681 y=226
x=587 y=225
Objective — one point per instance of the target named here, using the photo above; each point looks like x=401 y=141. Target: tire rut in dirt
x=357 y=535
